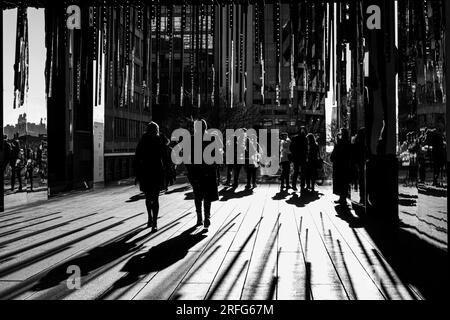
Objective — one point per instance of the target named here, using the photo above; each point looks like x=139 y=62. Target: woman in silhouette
x=341 y=158
x=204 y=183
x=151 y=164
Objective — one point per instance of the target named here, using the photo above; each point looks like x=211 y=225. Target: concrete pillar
x=447 y=85
x=2 y=160
x=381 y=115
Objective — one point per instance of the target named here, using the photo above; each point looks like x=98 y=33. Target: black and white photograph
x=252 y=151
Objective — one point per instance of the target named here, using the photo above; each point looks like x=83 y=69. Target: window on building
x=280 y=111
x=120 y=128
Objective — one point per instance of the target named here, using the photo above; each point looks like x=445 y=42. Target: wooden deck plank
x=261 y=279
x=358 y=242
x=357 y=283
x=258 y=247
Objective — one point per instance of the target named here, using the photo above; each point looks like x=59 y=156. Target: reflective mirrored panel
x=24 y=107
x=422 y=121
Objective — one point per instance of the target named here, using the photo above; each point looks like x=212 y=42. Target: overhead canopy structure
x=7 y=4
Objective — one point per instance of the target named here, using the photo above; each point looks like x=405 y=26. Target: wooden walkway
x=261 y=245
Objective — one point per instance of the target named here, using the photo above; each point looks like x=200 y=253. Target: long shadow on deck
x=415 y=260
x=137 y=197
x=228 y=194
x=304 y=199
x=343 y=212
x=160 y=256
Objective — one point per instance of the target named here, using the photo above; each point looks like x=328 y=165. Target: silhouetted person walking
x=341 y=158
x=299 y=149
x=438 y=155
x=204 y=184
x=360 y=156
x=285 y=162
x=151 y=163
x=312 y=162
x=251 y=160
x=15 y=162
x=239 y=158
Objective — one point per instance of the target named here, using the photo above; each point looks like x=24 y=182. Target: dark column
x=447 y=85
x=381 y=117
x=58 y=162
x=83 y=155
x=2 y=160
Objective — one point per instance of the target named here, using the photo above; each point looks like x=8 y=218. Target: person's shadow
x=136 y=197
x=343 y=212
x=179 y=189
x=160 y=256
x=189 y=195
x=231 y=194
x=304 y=199
x=281 y=195
x=94 y=259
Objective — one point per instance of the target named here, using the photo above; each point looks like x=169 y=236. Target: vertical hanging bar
x=183 y=26
x=170 y=35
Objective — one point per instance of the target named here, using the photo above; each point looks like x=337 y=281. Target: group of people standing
x=247 y=157
x=152 y=164
x=22 y=160
x=422 y=150
x=153 y=160
x=302 y=151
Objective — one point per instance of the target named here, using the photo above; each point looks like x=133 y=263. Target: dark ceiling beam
x=8 y=4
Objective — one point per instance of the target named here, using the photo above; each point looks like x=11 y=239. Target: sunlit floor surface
x=262 y=244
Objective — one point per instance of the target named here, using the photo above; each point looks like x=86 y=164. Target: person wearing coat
x=151 y=164
x=285 y=162
x=204 y=184
x=341 y=159
x=299 y=150
x=312 y=162
x=252 y=159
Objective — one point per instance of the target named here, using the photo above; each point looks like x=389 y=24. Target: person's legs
x=30 y=176
x=237 y=170
x=302 y=176
x=313 y=182
x=148 y=205
x=282 y=175
x=295 y=175
x=229 y=172
x=207 y=208
x=247 y=171
x=362 y=183
x=285 y=166
x=13 y=175
x=253 y=177
x=287 y=174
x=198 y=209
x=19 y=178
x=155 y=210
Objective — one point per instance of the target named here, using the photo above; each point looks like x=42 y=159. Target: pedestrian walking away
x=299 y=150
x=151 y=165
x=285 y=155
x=204 y=184
x=341 y=158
